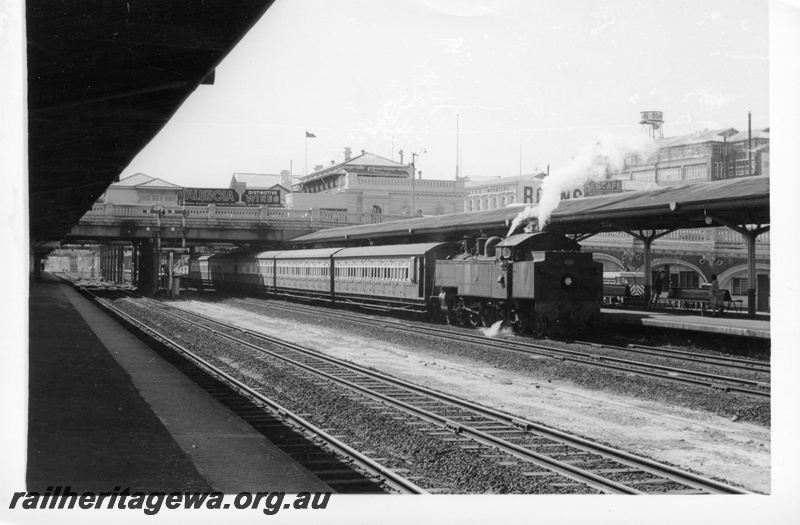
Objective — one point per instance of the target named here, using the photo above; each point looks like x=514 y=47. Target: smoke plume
x=594 y=162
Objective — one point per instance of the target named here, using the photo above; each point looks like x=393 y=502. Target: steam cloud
x=496 y=329
x=593 y=163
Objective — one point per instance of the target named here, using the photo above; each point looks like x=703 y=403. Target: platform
x=105 y=411
x=728 y=324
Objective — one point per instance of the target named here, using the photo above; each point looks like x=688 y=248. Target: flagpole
x=305 y=168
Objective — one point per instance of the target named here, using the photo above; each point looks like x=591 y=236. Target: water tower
x=652 y=123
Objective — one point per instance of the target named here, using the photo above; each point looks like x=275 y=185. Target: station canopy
x=103 y=79
x=740 y=202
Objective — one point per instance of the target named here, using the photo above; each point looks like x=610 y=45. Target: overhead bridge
x=210 y=224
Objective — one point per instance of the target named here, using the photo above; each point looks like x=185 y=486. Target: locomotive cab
x=537 y=282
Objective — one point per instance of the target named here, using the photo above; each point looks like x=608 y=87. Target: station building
x=691 y=257
x=700 y=157
x=501 y=192
x=141 y=189
x=369 y=183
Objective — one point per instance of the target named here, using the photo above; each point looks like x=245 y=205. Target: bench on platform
x=693 y=298
x=621 y=294
x=616 y=293
x=730 y=302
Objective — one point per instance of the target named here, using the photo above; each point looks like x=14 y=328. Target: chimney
x=318 y=167
x=347 y=153
x=286 y=179
x=362 y=151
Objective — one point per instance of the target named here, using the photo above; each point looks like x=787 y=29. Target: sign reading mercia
x=230 y=196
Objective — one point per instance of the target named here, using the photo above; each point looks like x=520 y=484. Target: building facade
x=501 y=192
x=691 y=257
x=701 y=157
x=144 y=190
x=370 y=183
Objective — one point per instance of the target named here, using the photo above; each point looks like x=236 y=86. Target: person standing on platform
x=658 y=286
x=714 y=292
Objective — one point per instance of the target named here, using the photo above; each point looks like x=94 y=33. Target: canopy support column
x=647 y=237
x=750 y=234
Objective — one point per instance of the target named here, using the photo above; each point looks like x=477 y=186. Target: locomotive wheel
x=463 y=318
x=523 y=323
x=488 y=316
x=540 y=326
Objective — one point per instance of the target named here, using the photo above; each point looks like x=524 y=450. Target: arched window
x=375 y=209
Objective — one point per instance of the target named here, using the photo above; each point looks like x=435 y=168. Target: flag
x=310 y=135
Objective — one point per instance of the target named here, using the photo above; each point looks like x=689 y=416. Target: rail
x=474 y=429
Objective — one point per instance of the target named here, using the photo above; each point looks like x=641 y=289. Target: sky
x=497 y=88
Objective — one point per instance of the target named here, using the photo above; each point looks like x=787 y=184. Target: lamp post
x=413 y=182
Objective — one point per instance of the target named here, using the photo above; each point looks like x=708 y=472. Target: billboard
x=202 y=196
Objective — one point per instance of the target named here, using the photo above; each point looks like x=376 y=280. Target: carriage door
x=762 y=293
x=420 y=272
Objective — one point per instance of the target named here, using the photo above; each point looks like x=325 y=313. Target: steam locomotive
x=536 y=282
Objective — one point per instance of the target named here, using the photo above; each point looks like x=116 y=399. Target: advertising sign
x=602 y=187
x=262 y=197
x=209 y=196
x=231 y=196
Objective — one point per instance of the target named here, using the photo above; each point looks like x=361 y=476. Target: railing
x=693 y=235
x=611 y=235
x=696 y=235
x=733 y=237
x=419 y=184
x=231 y=215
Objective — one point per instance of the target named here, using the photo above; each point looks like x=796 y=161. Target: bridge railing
x=230 y=216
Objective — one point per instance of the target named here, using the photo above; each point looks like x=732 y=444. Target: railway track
x=488 y=432
x=749 y=387
x=341 y=466
x=680 y=355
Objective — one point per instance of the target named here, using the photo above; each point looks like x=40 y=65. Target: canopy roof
x=735 y=201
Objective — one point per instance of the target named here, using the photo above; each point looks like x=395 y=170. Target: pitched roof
x=158 y=183
x=257 y=180
x=140 y=180
x=756 y=134
x=134 y=180
x=363 y=161
x=502 y=180
x=714 y=135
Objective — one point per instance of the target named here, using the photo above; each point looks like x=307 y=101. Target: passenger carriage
x=398 y=277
